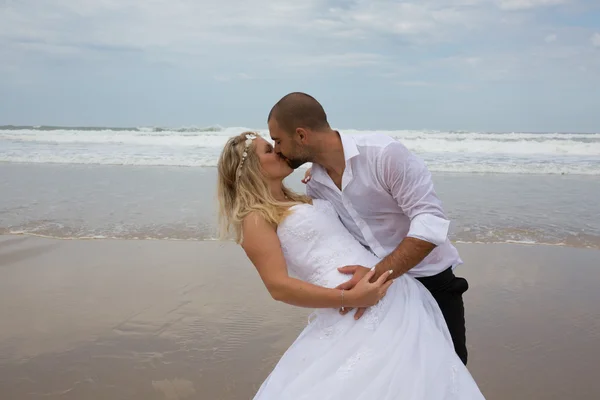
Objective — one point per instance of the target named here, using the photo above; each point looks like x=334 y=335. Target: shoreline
x=170 y=203
x=454 y=242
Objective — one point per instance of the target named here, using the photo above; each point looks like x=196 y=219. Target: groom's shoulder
x=374 y=139
x=371 y=144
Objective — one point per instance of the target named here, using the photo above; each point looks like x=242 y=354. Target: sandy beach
x=116 y=122
x=146 y=319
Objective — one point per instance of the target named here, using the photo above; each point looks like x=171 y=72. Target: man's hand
x=358 y=272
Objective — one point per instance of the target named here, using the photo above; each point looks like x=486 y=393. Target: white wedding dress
x=399 y=349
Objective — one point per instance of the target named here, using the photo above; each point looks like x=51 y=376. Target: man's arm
x=409 y=181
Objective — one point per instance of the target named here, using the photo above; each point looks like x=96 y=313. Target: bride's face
x=272 y=164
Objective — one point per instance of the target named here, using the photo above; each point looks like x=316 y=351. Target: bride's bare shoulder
x=259 y=236
x=253 y=220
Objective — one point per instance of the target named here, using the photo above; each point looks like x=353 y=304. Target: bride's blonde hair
x=242 y=189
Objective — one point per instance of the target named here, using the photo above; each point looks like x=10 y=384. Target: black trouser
x=447 y=289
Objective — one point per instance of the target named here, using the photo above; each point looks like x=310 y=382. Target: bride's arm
x=262 y=246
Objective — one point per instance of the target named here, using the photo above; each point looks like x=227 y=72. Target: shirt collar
x=349 y=146
x=350 y=151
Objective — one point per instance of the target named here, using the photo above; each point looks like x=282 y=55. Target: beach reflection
x=184 y=320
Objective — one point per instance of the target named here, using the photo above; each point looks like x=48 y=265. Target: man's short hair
x=298 y=110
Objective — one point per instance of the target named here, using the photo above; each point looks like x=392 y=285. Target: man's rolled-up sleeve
x=409 y=181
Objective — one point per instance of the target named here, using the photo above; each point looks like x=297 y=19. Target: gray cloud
x=417 y=46
x=528 y=4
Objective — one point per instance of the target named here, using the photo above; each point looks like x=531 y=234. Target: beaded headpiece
x=249 y=138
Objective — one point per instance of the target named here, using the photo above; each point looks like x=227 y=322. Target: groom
x=384 y=196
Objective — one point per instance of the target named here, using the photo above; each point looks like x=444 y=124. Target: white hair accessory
x=249 y=138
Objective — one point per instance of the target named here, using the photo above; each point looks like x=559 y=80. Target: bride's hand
x=306 y=176
x=365 y=293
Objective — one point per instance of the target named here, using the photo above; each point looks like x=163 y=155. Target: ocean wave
x=216 y=128
x=444 y=151
x=419 y=141
x=46 y=128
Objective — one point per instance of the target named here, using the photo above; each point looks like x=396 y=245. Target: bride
x=399 y=349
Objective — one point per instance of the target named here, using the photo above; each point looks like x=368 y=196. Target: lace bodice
x=315 y=243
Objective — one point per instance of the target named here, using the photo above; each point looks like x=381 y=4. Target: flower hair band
x=249 y=138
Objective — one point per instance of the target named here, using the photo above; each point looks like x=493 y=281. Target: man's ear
x=302 y=135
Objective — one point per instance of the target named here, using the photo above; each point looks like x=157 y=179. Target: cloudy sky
x=493 y=65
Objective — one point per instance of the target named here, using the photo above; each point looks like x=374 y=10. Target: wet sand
x=118 y=319
x=136 y=202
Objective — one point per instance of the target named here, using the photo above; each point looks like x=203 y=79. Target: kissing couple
x=396 y=328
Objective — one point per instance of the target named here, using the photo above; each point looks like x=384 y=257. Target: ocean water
x=523 y=153
x=148 y=183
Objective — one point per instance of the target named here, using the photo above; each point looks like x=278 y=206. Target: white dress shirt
x=387 y=194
